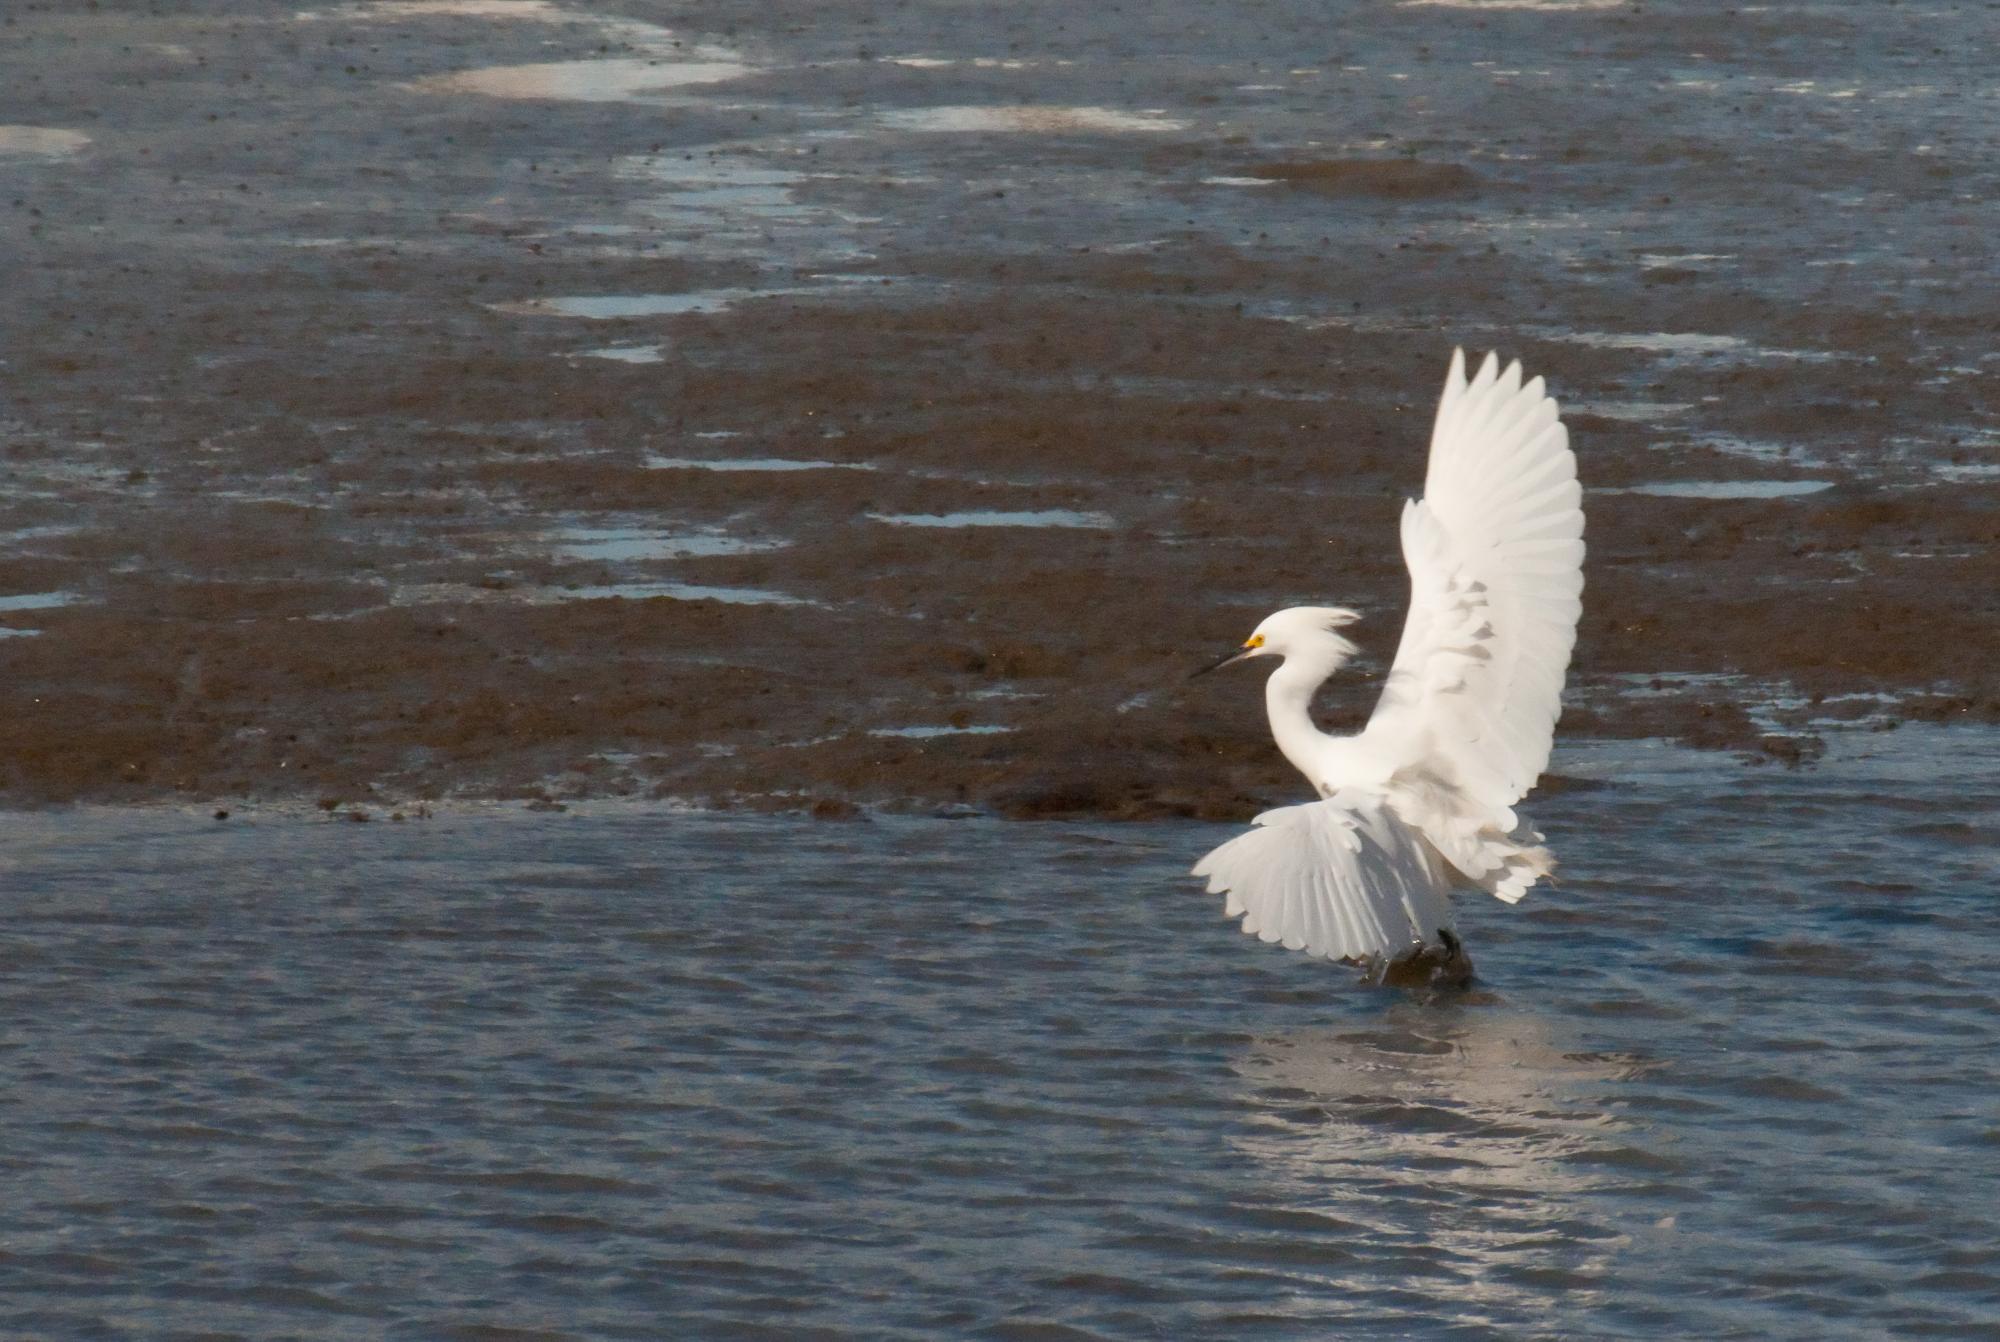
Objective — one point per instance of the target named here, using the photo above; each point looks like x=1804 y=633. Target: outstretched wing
x=1495 y=552
x=1345 y=878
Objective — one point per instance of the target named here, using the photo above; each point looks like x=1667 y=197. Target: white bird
x=1421 y=800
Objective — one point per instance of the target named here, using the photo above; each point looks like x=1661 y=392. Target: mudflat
x=801 y=406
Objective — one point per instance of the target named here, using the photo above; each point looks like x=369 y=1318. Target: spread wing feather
x=1495 y=553
x=1345 y=878
x=1466 y=720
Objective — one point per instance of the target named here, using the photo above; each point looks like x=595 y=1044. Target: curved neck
x=1288 y=699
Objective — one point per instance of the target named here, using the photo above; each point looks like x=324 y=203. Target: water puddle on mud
x=448 y=593
x=1967 y=472
x=40 y=142
x=721 y=202
x=1757 y=449
x=637 y=33
x=700 y=187
x=1680 y=344
x=1653 y=684
x=1725 y=489
x=1656 y=342
x=927 y=733
x=1036 y=120
x=654 y=463
x=621 y=79
x=37 y=601
x=541 y=10
x=973 y=62
x=679 y=591
x=1773 y=704
x=618 y=307
x=625 y=353
x=1637 y=412
x=1540 y=6
x=635 y=544
x=665 y=63
x=28 y=538
x=1047 y=517
x=33 y=601
x=1671 y=260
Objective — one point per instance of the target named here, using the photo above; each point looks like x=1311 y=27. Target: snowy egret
x=1421 y=800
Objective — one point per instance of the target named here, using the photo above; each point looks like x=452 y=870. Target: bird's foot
x=1445 y=965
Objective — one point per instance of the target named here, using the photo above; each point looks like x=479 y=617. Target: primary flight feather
x=1421 y=800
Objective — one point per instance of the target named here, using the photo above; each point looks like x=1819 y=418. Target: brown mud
x=356 y=425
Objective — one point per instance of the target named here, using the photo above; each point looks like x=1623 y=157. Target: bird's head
x=1302 y=632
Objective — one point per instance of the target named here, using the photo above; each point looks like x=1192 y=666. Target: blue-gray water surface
x=622 y=1073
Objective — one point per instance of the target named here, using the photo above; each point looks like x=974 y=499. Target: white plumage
x=1422 y=799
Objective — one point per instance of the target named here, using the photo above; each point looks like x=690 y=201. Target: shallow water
x=1044 y=517
x=751 y=464
x=1728 y=489
x=37 y=600
x=639 y=1073
x=40 y=142
x=637 y=542
x=614 y=307
x=626 y=353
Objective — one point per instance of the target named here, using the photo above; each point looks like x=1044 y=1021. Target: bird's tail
x=1519 y=861
x=1505 y=863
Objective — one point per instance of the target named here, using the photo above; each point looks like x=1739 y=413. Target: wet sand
x=792 y=407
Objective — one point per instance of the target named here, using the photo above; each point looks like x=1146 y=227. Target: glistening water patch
x=679 y=591
x=668 y=62
x=1541 y=6
x=33 y=601
x=448 y=593
x=1030 y=119
x=734 y=202
x=622 y=79
x=1637 y=412
x=1046 y=517
x=926 y=733
x=379 y=10
x=623 y=544
x=1725 y=489
x=1733 y=1079
x=706 y=190
x=37 y=600
x=614 y=307
x=1679 y=345
x=625 y=353
x=752 y=464
x=40 y=142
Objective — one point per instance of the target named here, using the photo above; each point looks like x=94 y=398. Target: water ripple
x=596 y=1075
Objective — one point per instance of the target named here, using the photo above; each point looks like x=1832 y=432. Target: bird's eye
x=1254 y=641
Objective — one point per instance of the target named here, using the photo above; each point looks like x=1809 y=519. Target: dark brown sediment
x=339 y=499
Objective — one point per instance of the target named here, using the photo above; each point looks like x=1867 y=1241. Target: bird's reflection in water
x=1453 y=1149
